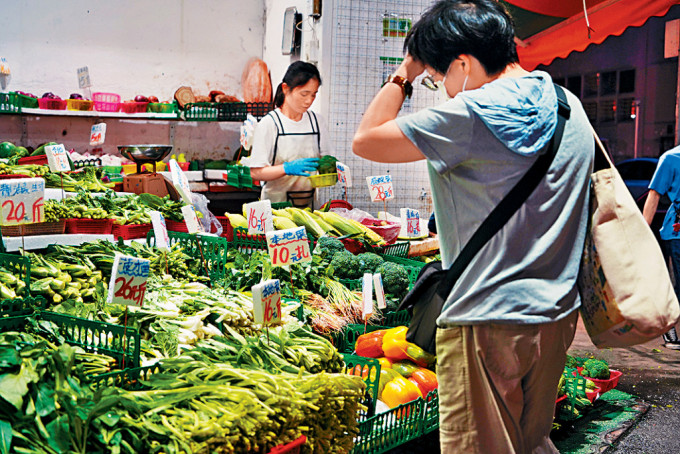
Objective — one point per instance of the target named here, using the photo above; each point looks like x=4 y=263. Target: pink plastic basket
x=106 y=102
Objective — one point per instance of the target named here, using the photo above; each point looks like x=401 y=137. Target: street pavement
x=652 y=373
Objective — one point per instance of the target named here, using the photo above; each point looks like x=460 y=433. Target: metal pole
x=636 y=107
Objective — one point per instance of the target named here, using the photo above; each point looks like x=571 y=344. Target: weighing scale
x=146 y=182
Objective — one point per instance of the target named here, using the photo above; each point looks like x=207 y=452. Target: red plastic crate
x=89 y=226
x=52 y=104
x=133 y=107
x=174 y=226
x=227 y=229
x=130 y=232
x=290 y=448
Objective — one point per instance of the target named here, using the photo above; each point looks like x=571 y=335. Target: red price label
x=125 y=289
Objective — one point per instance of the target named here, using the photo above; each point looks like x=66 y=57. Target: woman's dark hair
x=449 y=28
x=297 y=74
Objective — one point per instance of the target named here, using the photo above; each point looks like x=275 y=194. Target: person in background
x=432 y=224
x=288 y=141
x=505 y=328
x=666 y=180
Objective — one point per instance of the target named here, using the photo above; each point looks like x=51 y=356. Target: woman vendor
x=289 y=140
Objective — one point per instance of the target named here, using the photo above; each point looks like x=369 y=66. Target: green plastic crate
x=22 y=306
x=431 y=419
x=369 y=369
x=281 y=205
x=93 y=336
x=129 y=379
x=18 y=265
x=9 y=103
x=209 y=248
x=398 y=249
x=386 y=431
x=397 y=318
x=215 y=111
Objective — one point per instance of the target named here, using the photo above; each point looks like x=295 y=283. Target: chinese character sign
x=259 y=216
x=180 y=182
x=191 y=219
x=344 y=174
x=22 y=201
x=379 y=290
x=367 y=293
x=84 y=77
x=410 y=221
x=288 y=246
x=160 y=230
x=57 y=158
x=267 y=302
x=98 y=134
x=380 y=188
x=128 y=281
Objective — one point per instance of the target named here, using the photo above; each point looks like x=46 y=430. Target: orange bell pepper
x=369 y=345
x=400 y=391
x=385 y=363
x=425 y=379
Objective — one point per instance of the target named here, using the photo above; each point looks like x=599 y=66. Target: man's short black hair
x=449 y=28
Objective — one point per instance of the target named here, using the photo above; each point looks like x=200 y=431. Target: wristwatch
x=406 y=86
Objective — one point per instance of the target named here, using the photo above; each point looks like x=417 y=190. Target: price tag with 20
x=22 y=201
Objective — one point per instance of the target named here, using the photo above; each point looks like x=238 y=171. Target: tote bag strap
x=511 y=202
x=602 y=160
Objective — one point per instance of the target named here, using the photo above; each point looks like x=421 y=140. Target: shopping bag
x=626 y=292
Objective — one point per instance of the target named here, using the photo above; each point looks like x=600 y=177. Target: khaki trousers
x=498 y=384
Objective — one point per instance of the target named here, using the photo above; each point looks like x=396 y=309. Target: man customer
x=504 y=331
x=666 y=180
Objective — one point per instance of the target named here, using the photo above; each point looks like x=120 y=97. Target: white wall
x=148 y=47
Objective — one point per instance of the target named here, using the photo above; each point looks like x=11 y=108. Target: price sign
x=379 y=290
x=267 y=302
x=57 y=158
x=98 y=134
x=410 y=220
x=180 y=182
x=191 y=219
x=259 y=216
x=367 y=292
x=288 y=246
x=128 y=281
x=380 y=188
x=344 y=175
x=160 y=230
x=22 y=201
x=84 y=77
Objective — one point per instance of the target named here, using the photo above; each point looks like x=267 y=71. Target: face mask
x=441 y=89
x=465 y=82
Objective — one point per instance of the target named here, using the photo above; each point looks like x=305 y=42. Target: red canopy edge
x=609 y=18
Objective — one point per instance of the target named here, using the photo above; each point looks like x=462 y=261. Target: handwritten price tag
x=367 y=292
x=260 y=220
x=288 y=246
x=344 y=174
x=98 y=134
x=160 y=230
x=128 y=281
x=57 y=158
x=191 y=219
x=180 y=182
x=84 y=77
x=380 y=188
x=267 y=302
x=379 y=290
x=22 y=201
x=410 y=220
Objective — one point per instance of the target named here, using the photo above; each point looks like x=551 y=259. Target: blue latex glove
x=301 y=167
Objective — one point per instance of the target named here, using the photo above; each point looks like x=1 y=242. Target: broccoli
x=571 y=362
x=596 y=368
x=327 y=246
x=395 y=278
x=369 y=262
x=345 y=265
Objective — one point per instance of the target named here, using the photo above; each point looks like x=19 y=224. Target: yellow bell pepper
x=394 y=343
x=400 y=391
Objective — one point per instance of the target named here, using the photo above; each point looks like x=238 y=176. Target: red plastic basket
x=174 y=226
x=52 y=104
x=40 y=160
x=9 y=176
x=106 y=102
x=611 y=383
x=133 y=107
x=89 y=226
x=130 y=232
x=290 y=448
x=227 y=229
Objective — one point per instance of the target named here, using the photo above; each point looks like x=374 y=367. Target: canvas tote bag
x=626 y=291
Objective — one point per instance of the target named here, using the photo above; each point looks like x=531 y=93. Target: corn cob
x=302 y=218
x=283 y=223
x=282 y=213
x=351 y=227
x=325 y=225
x=237 y=220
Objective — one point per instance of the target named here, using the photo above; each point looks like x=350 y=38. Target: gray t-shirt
x=527 y=272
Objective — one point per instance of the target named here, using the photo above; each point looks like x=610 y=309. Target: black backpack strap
x=500 y=215
x=315 y=129
x=279 y=131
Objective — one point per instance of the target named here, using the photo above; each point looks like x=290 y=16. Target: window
x=627 y=109
x=608 y=83
x=574 y=85
x=591 y=84
x=607 y=110
x=591 y=111
x=627 y=81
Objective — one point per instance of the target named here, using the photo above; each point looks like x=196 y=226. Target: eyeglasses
x=429 y=83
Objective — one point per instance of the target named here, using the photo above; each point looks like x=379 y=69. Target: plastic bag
x=209 y=221
x=247 y=132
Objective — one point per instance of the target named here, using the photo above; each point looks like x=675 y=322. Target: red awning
x=606 y=18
